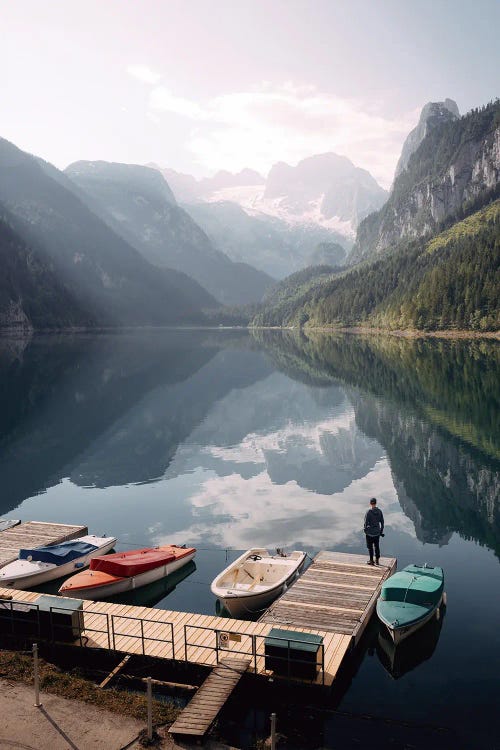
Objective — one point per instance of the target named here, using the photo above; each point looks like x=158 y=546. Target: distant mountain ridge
x=325 y=190
x=67 y=256
x=277 y=223
x=271 y=244
x=138 y=204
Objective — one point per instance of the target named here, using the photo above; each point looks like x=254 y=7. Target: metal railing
x=257 y=651
x=221 y=642
x=25 y=620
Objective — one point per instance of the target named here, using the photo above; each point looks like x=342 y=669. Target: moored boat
x=256 y=579
x=41 y=564
x=410 y=598
x=125 y=571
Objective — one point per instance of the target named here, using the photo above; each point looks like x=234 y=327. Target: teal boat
x=411 y=598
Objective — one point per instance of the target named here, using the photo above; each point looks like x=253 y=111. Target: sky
x=202 y=85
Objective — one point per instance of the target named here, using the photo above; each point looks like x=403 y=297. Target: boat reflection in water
x=152 y=593
x=408 y=655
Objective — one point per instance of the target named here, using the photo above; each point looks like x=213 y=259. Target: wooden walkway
x=334 y=598
x=336 y=594
x=35 y=534
x=203 y=708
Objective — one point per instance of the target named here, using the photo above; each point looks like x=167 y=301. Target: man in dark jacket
x=374 y=529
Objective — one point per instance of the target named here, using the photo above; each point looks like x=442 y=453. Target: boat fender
x=284 y=588
x=445 y=599
x=438 y=614
x=30 y=558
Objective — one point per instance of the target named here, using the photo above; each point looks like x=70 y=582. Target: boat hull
x=26 y=574
x=242 y=606
x=399 y=634
x=123 y=585
x=243 y=602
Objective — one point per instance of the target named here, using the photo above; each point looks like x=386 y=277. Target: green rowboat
x=409 y=599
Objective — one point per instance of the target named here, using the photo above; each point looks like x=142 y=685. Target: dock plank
x=35 y=534
x=204 y=707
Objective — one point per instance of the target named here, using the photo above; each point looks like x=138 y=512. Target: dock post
x=150 y=708
x=36 y=676
x=273 y=731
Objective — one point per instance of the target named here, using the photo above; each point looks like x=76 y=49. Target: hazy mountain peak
x=432 y=114
x=149 y=180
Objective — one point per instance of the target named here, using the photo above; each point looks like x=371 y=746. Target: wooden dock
x=35 y=534
x=336 y=594
x=202 y=710
x=334 y=599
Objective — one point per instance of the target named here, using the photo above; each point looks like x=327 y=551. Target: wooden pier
x=333 y=599
x=202 y=710
x=35 y=534
x=336 y=594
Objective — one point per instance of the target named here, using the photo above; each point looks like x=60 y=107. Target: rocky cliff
x=433 y=114
x=456 y=166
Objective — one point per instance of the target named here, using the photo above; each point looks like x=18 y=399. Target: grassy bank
x=19 y=667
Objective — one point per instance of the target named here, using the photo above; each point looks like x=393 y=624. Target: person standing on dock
x=374 y=529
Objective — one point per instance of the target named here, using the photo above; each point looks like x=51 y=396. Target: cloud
x=286 y=123
x=144 y=74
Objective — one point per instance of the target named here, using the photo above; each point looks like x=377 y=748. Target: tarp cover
x=58 y=554
x=126 y=564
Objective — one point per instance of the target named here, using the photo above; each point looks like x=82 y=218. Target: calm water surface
x=226 y=440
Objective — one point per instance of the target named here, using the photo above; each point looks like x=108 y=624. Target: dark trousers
x=371 y=542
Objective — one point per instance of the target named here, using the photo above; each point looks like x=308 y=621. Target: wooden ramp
x=35 y=534
x=336 y=594
x=202 y=710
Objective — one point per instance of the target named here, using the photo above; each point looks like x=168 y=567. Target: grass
x=19 y=667
x=468 y=227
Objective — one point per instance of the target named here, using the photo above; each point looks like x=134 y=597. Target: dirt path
x=60 y=724
x=63 y=724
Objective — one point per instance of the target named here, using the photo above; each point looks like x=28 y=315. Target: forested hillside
x=449 y=281
x=31 y=294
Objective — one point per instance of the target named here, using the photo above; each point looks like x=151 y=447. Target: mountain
x=327 y=253
x=326 y=188
x=138 y=204
x=187 y=189
x=455 y=166
x=105 y=277
x=431 y=405
x=31 y=294
x=270 y=244
x=432 y=114
x=451 y=280
x=277 y=223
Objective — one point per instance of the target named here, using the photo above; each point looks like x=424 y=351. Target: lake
x=226 y=440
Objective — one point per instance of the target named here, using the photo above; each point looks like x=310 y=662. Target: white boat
x=256 y=579
x=42 y=564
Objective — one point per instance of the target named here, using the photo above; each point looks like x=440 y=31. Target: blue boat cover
x=58 y=554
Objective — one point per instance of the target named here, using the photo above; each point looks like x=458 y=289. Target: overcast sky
x=199 y=85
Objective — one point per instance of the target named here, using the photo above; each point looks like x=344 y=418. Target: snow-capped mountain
x=325 y=190
x=277 y=223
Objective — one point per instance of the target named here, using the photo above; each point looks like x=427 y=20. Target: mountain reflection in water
x=230 y=439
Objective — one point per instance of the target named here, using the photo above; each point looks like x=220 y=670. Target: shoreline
x=27 y=334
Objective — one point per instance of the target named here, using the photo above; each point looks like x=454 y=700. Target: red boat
x=124 y=571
